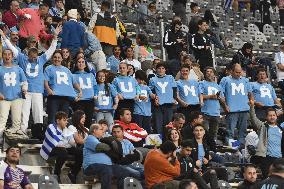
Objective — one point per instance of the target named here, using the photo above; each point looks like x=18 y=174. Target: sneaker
x=72 y=178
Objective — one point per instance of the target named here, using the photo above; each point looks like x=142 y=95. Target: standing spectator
x=237 y=92
x=279 y=60
x=201 y=46
x=245 y=58
x=210 y=97
x=105 y=27
x=143 y=51
x=10 y=17
x=264 y=94
x=106 y=99
x=114 y=60
x=87 y=82
x=127 y=88
x=161 y=166
x=142 y=107
x=187 y=93
x=280 y=5
x=58 y=83
x=164 y=87
x=57 y=11
x=32 y=24
x=93 y=51
x=13 y=87
x=72 y=33
x=250 y=176
x=174 y=44
x=10 y=173
x=133 y=132
x=130 y=59
x=179 y=10
x=270 y=145
x=32 y=66
x=67 y=59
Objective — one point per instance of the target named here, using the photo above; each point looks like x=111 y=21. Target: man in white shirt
x=279 y=59
x=130 y=59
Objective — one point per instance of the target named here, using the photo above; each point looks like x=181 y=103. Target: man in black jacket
x=276 y=178
x=249 y=177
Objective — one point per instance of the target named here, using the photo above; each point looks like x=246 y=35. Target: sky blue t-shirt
x=264 y=93
x=127 y=147
x=33 y=71
x=60 y=80
x=143 y=107
x=127 y=86
x=274 y=141
x=87 y=82
x=236 y=93
x=201 y=153
x=163 y=88
x=210 y=107
x=188 y=91
x=113 y=64
x=104 y=101
x=10 y=82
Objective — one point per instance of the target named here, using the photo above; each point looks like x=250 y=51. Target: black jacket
x=246 y=185
x=273 y=181
x=186 y=167
x=199 y=43
x=171 y=45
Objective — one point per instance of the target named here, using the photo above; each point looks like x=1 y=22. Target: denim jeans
x=103 y=171
x=108 y=116
x=55 y=104
x=239 y=120
x=211 y=124
x=143 y=121
x=163 y=114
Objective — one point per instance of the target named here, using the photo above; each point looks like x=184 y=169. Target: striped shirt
x=53 y=136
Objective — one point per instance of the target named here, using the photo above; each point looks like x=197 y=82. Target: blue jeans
x=143 y=121
x=55 y=104
x=105 y=173
x=163 y=114
x=239 y=120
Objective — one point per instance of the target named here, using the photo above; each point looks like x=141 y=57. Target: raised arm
x=9 y=44
x=53 y=45
x=255 y=121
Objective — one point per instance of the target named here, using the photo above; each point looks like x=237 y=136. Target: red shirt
x=132 y=131
x=10 y=19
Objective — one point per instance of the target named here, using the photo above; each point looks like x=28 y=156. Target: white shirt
x=134 y=62
x=279 y=59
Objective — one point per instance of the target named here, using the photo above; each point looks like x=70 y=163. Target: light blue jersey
x=127 y=86
x=87 y=82
x=210 y=107
x=112 y=64
x=236 y=93
x=188 y=91
x=104 y=100
x=264 y=93
x=11 y=79
x=60 y=80
x=274 y=141
x=143 y=107
x=163 y=88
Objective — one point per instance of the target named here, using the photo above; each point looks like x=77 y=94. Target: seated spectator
x=187 y=184
x=142 y=107
x=106 y=100
x=188 y=168
x=177 y=123
x=130 y=59
x=270 y=146
x=264 y=94
x=98 y=163
x=107 y=130
x=56 y=144
x=132 y=131
x=130 y=70
x=11 y=176
x=161 y=167
x=57 y=11
x=174 y=136
x=195 y=118
x=276 y=175
x=80 y=131
x=250 y=176
x=128 y=148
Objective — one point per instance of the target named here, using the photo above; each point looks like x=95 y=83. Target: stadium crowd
x=109 y=98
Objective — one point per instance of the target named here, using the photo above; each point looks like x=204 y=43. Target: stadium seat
x=245 y=36
x=47 y=182
x=252 y=29
x=131 y=183
x=237 y=43
x=260 y=37
x=268 y=30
